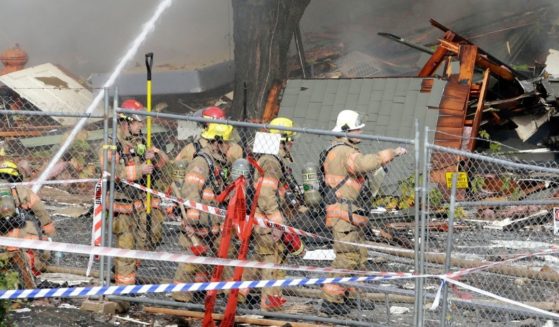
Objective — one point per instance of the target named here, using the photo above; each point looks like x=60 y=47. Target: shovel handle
x=149 y=63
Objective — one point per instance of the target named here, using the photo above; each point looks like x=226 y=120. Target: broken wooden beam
x=460 y=39
x=238 y=319
x=506 y=269
x=436 y=59
x=482 y=61
x=479 y=110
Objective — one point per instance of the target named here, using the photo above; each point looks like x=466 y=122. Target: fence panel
x=272 y=247
x=29 y=138
x=503 y=209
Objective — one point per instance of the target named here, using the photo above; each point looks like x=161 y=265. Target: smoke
x=355 y=23
x=90 y=36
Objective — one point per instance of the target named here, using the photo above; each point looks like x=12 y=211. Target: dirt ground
x=67 y=313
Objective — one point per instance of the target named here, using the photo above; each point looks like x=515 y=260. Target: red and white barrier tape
x=267 y=223
x=496 y=297
x=174 y=257
x=262 y=222
x=97 y=214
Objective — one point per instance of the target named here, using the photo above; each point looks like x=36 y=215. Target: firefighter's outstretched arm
x=358 y=163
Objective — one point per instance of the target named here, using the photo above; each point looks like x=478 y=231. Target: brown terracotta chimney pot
x=13 y=59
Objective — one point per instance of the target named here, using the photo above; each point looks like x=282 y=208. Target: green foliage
x=459 y=212
x=407 y=191
x=436 y=197
x=484 y=134
x=9 y=279
x=493 y=147
x=476 y=184
x=407 y=194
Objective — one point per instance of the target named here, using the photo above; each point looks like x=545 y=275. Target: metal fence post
x=449 y=246
x=424 y=188
x=112 y=185
x=104 y=184
x=418 y=196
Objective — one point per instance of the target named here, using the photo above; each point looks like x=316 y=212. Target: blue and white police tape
x=181 y=287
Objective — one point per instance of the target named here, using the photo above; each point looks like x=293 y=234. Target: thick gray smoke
x=355 y=23
x=89 y=36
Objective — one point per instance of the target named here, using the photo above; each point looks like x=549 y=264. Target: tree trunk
x=262 y=31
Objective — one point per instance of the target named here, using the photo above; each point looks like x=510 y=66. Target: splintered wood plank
x=436 y=58
x=467 y=55
x=452 y=113
x=499 y=70
x=479 y=109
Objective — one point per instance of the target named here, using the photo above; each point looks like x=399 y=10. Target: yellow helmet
x=9 y=168
x=219 y=132
x=283 y=122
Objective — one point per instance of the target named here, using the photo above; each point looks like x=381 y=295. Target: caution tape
x=182 y=287
x=267 y=223
x=173 y=257
x=497 y=297
x=262 y=222
x=97 y=214
x=553 y=249
x=176 y=257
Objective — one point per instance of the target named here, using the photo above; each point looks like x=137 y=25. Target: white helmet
x=348 y=120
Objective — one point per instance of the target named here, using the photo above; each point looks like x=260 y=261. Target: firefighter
x=204 y=179
x=130 y=225
x=23 y=215
x=345 y=168
x=271 y=245
x=234 y=152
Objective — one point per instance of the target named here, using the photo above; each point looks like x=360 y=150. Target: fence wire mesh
x=503 y=208
x=382 y=199
x=28 y=140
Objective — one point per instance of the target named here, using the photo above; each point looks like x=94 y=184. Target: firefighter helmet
x=218 y=132
x=240 y=167
x=8 y=167
x=131 y=104
x=283 y=122
x=213 y=112
x=348 y=120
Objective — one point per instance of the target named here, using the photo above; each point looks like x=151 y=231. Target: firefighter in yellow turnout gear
x=204 y=180
x=234 y=152
x=268 y=242
x=130 y=223
x=23 y=215
x=345 y=169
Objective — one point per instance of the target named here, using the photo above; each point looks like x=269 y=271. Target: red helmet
x=213 y=112
x=131 y=104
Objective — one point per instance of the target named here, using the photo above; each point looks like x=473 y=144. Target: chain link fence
x=497 y=209
x=500 y=208
x=29 y=138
